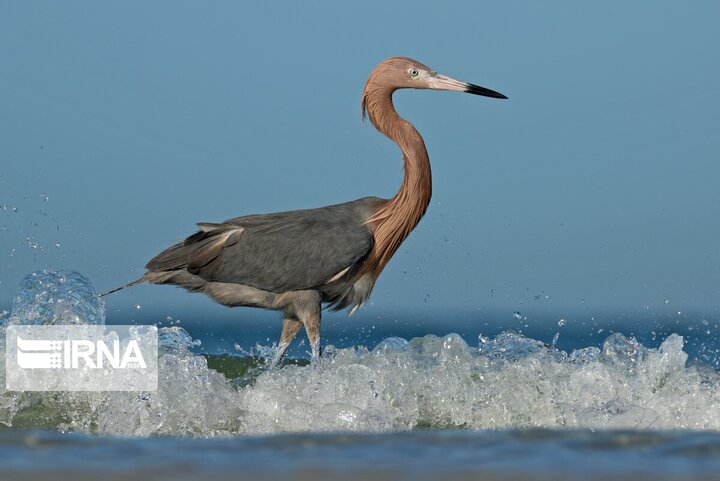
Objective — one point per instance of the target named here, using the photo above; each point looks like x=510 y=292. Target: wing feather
x=276 y=252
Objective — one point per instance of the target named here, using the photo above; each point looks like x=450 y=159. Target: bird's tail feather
x=130 y=284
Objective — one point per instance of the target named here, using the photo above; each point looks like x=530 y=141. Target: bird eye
x=413 y=72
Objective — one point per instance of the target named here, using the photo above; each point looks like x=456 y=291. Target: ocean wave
x=507 y=382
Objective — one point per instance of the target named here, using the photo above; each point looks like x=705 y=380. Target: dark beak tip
x=477 y=90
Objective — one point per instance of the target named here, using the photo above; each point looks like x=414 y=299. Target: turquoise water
x=591 y=403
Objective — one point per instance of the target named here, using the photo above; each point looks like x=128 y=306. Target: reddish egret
x=297 y=261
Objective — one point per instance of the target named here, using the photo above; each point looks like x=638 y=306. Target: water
x=435 y=406
x=428 y=454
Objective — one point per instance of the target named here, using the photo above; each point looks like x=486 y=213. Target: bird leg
x=305 y=305
x=312 y=328
x=291 y=326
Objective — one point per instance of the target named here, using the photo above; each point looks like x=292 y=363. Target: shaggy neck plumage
x=394 y=221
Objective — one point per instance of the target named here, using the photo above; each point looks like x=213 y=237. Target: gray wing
x=276 y=252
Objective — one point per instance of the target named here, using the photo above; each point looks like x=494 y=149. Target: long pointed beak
x=442 y=82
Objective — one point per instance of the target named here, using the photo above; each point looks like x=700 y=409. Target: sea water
x=432 y=406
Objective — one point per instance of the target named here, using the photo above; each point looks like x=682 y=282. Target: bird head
x=405 y=73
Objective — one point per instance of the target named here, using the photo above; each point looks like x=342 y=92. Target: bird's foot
x=279 y=354
x=315 y=353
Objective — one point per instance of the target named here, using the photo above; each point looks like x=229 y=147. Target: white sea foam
x=510 y=381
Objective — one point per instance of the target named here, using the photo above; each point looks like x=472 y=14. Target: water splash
x=57 y=297
x=510 y=381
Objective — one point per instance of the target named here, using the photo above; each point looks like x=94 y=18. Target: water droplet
x=30 y=242
x=138 y=306
x=517 y=315
x=562 y=322
x=555 y=339
x=482 y=338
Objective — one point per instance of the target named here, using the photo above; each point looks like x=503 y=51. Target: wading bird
x=297 y=261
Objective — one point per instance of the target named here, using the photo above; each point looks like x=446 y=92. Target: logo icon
x=81 y=358
x=40 y=354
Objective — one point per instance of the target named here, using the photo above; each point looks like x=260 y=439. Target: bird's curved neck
x=394 y=221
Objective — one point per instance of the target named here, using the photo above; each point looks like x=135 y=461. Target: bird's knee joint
x=301 y=304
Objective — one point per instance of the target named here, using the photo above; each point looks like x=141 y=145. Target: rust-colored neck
x=394 y=221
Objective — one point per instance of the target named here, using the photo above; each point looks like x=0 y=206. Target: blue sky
x=594 y=187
